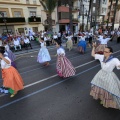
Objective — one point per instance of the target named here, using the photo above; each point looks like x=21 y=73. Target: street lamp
x=4 y=20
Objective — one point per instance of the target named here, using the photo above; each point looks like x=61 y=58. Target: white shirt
x=82 y=38
x=42 y=44
x=112 y=32
x=104 y=41
x=7 y=47
x=45 y=38
x=110 y=65
x=59 y=34
x=26 y=40
x=118 y=33
x=60 y=51
x=69 y=37
x=55 y=36
x=4 y=65
x=16 y=42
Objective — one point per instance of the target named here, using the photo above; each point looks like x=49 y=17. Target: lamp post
x=5 y=21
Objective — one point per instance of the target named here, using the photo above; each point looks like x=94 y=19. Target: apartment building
x=63 y=15
x=110 y=12
x=21 y=16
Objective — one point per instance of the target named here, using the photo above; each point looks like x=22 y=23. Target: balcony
x=63 y=21
x=46 y=22
x=75 y=20
x=63 y=9
x=34 y=20
x=12 y=21
x=75 y=9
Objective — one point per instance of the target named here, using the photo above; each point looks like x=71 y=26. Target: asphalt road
x=48 y=97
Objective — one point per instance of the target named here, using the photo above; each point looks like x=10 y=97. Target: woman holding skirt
x=69 y=43
x=64 y=66
x=82 y=44
x=43 y=55
x=10 y=54
x=11 y=78
x=103 y=44
x=106 y=85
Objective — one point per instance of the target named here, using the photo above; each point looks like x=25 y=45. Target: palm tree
x=109 y=12
x=90 y=3
x=70 y=14
x=118 y=7
x=116 y=4
x=49 y=6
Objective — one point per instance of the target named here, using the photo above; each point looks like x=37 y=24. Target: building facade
x=20 y=16
x=110 y=13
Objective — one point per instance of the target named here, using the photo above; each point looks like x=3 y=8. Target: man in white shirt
x=17 y=44
x=31 y=35
x=27 y=42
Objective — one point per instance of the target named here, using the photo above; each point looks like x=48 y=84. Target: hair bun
x=2 y=49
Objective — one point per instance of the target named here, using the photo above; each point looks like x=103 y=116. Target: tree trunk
x=70 y=15
x=90 y=3
x=49 y=22
x=109 y=13
x=113 y=22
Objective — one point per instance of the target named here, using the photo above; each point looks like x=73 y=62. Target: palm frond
x=43 y=4
x=51 y=4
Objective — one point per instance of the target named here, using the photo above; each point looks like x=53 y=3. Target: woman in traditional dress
x=43 y=55
x=103 y=43
x=106 y=85
x=10 y=54
x=11 y=78
x=64 y=66
x=82 y=44
x=69 y=43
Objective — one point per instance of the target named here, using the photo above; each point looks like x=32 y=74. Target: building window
x=63 y=15
x=35 y=29
x=104 y=2
x=17 y=14
x=34 y=2
x=27 y=2
x=32 y=13
x=94 y=1
x=93 y=9
x=21 y=30
x=103 y=10
x=4 y=14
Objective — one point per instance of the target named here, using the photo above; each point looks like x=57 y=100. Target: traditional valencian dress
x=103 y=44
x=69 y=43
x=43 y=55
x=11 y=78
x=64 y=66
x=105 y=84
x=10 y=55
x=82 y=43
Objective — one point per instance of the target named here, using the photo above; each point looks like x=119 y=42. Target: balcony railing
x=34 y=19
x=75 y=20
x=12 y=20
x=46 y=22
x=75 y=9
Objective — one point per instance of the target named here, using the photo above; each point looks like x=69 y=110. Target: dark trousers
x=27 y=45
x=47 y=43
x=118 y=40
